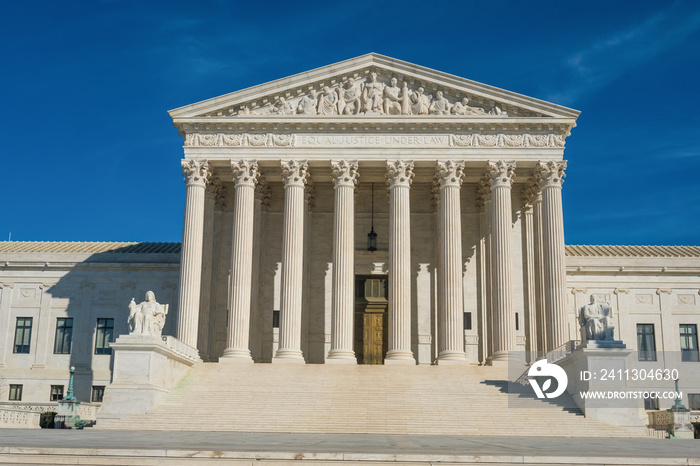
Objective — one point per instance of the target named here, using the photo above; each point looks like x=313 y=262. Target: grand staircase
x=440 y=400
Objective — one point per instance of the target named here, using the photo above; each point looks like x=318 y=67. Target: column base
x=500 y=358
x=236 y=355
x=338 y=356
x=399 y=357
x=288 y=356
x=451 y=358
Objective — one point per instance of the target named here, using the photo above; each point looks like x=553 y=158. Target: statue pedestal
x=594 y=369
x=680 y=424
x=603 y=344
x=67 y=415
x=145 y=368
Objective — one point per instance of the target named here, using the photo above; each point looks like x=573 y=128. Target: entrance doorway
x=371 y=318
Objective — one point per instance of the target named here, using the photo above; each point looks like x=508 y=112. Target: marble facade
x=461 y=181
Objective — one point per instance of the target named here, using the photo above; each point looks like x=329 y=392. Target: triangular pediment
x=372 y=86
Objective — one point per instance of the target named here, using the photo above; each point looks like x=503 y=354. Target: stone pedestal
x=145 y=368
x=591 y=363
x=68 y=415
x=680 y=424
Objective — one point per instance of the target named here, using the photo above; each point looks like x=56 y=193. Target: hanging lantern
x=372 y=236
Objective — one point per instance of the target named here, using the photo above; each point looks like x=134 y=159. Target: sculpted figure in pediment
x=372 y=95
x=392 y=98
x=496 y=110
x=283 y=107
x=349 y=102
x=463 y=108
x=420 y=102
x=440 y=106
x=328 y=103
x=307 y=104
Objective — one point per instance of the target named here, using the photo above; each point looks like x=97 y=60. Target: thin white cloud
x=605 y=60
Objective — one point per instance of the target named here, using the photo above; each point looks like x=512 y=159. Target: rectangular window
x=646 y=344
x=275 y=319
x=56 y=392
x=694 y=401
x=64 y=336
x=15 y=393
x=105 y=332
x=651 y=403
x=98 y=393
x=467 y=321
x=517 y=322
x=23 y=335
x=689 y=342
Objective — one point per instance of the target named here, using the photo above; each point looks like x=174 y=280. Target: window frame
x=97 y=389
x=66 y=336
x=59 y=392
x=15 y=388
x=102 y=340
x=686 y=338
x=26 y=331
x=651 y=353
x=694 y=401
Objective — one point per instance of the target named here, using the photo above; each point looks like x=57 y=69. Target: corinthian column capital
x=399 y=173
x=344 y=173
x=262 y=191
x=245 y=172
x=450 y=173
x=294 y=172
x=195 y=172
x=483 y=191
x=532 y=192
x=502 y=173
x=551 y=173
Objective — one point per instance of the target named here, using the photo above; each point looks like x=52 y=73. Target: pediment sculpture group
x=375 y=98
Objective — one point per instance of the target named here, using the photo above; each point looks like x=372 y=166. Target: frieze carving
x=239 y=140
x=374 y=92
x=507 y=140
x=497 y=140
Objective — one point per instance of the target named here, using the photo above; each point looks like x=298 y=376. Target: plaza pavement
x=101 y=447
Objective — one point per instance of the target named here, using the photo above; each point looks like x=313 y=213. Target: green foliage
x=46 y=421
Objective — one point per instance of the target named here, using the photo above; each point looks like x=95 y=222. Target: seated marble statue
x=595 y=320
x=147 y=317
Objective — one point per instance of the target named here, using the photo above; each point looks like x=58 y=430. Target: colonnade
x=546 y=240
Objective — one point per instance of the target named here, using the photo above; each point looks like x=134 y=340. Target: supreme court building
x=367 y=212
x=461 y=183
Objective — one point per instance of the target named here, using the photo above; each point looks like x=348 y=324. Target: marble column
x=294 y=173
x=262 y=201
x=205 y=309
x=196 y=175
x=482 y=193
x=551 y=175
x=502 y=176
x=540 y=299
x=345 y=177
x=450 y=289
x=245 y=177
x=399 y=176
x=529 y=286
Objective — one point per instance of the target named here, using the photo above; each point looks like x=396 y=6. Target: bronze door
x=371 y=319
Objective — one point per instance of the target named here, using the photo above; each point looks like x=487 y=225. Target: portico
x=467 y=208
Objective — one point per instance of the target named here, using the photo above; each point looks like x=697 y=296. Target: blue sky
x=89 y=152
